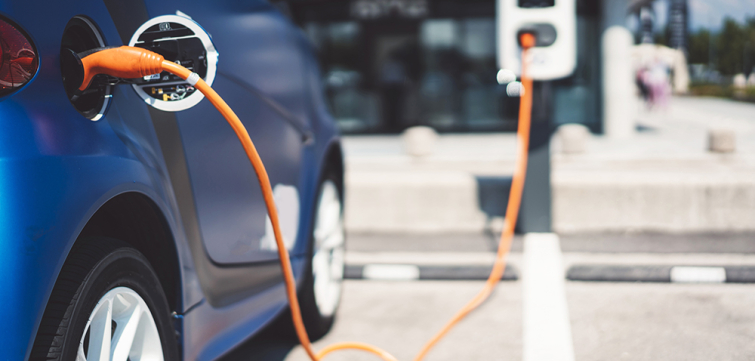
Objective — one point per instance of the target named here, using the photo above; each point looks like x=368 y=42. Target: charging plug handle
x=121 y=62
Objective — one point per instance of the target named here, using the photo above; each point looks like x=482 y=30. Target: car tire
x=106 y=294
x=319 y=292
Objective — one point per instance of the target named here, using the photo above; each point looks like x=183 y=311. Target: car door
x=260 y=75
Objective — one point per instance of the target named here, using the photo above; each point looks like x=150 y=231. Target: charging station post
x=535 y=210
x=553 y=23
x=546 y=330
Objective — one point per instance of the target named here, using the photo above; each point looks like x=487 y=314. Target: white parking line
x=390 y=272
x=683 y=274
x=546 y=327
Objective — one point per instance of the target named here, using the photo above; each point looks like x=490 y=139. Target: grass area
x=723 y=91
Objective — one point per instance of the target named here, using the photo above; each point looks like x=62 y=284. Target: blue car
x=133 y=226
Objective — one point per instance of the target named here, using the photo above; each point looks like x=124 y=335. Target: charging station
x=554 y=56
x=554 y=24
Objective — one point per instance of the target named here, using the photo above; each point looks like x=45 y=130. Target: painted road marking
x=434 y=272
x=390 y=272
x=684 y=274
x=546 y=327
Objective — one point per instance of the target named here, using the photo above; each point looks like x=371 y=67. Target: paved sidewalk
x=662 y=179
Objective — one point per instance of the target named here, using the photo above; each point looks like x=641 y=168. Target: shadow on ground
x=262 y=348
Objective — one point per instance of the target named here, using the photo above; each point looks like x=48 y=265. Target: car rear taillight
x=19 y=61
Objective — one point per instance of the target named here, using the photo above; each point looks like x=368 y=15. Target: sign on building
x=375 y=9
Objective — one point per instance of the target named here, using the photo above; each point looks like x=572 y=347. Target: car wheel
x=321 y=290
x=106 y=305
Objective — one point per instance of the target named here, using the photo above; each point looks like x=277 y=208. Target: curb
x=662 y=274
x=407 y=272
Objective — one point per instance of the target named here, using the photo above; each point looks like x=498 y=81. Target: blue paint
x=57 y=167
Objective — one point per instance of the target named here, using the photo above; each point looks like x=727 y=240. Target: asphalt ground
x=630 y=321
x=401 y=316
x=609 y=320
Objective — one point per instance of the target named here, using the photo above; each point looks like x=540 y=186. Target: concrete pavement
x=662 y=179
x=670 y=322
x=401 y=316
x=608 y=321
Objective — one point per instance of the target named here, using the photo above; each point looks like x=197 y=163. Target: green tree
x=733 y=47
x=730 y=48
x=749 y=45
x=699 y=47
x=660 y=37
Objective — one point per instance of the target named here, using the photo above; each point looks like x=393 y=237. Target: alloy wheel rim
x=120 y=328
x=328 y=258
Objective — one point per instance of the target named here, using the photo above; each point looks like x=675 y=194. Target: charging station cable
x=515 y=199
x=131 y=62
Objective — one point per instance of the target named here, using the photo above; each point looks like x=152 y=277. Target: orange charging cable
x=512 y=209
x=129 y=62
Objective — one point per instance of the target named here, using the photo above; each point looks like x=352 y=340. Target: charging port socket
x=184 y=42
x=82 y=34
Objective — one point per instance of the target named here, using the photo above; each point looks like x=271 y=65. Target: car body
x=175 y=185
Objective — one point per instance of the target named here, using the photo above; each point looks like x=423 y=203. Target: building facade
x=391 y=64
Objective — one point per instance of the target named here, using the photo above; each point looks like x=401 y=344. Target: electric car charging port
x=82 y=34
x=176 y=43
x=180 y=40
